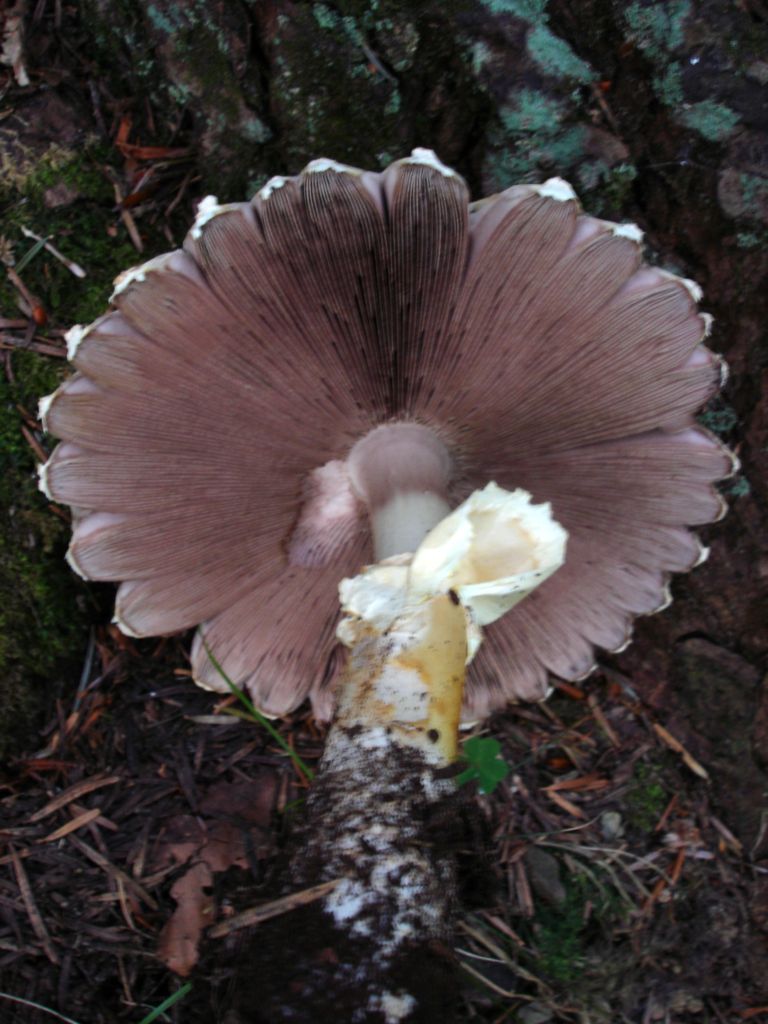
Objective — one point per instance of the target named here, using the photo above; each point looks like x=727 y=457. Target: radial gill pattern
x=205 y=433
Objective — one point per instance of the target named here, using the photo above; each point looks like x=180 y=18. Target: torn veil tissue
x=491 y=551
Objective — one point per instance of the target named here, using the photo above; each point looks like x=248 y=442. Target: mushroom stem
x=376 y=947
x=406 y=685
x=402 y=523
x=401 y=471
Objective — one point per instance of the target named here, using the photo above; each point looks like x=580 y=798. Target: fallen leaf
x=209 y=843
x=180 y=938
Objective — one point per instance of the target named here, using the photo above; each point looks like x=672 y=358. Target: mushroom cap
x=206 y=431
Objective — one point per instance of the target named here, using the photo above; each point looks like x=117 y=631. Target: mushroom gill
x=221 y=405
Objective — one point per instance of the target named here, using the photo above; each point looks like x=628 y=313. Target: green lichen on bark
x=543 y=125
x=657 y=28
x=529 y=10
x=206 y=63
x=119 y=42
x=555 y=57
x=552 y=54
x=537 y=138
x=744 y=196
x=661 y=31
x=713 y=120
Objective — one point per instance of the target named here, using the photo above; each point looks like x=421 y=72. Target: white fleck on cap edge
x=629 y=230
x=123 y=626
x=323 y=163
x=429 y=158
x=74 y=337
x=555 y=188
x=693 y=289
x=139 y=273
x=43 y=406
x=74 y=565
x=42 y=479
x=275 y=182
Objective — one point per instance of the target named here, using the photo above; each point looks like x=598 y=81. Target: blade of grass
x=30 y=254
x=37 y=1006
x=244 y=716
x=258 y=717
x=166 y=1003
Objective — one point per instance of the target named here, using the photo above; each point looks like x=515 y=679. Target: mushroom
x=313 y=383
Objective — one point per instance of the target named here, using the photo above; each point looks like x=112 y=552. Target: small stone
x=611 y=825
x=544 y=872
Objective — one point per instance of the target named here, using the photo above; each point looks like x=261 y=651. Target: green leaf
x=485 y=764
x=166 y=1003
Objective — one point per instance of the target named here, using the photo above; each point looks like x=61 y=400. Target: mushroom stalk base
x=380 y=813
x=379 y=820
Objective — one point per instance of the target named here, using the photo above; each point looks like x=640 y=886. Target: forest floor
x=618 y=874
x=599 y=883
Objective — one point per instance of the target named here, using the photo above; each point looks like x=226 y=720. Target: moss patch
x=609 y=188
x=86 y=230
x=646 y=798
x=720 y=417
x=565 y=935
x=43 y=609
x=42 y=621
